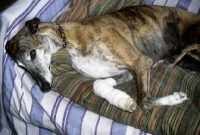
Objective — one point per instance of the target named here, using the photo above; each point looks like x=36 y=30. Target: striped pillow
x=164 y=81
x=80 y=9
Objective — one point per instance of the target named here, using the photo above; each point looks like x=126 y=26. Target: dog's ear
x=32 y=25
x=11 y=49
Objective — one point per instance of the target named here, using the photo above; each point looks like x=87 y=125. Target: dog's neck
x=55 y=35
x=62 y=34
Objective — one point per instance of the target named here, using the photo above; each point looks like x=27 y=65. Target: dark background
x=5 y=3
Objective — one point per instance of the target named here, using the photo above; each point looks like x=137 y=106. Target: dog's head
x=31 y=49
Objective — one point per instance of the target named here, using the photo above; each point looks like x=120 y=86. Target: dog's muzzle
x=42 y=83
x=45 y=86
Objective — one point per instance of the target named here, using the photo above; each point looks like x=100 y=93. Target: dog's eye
x=32 y=54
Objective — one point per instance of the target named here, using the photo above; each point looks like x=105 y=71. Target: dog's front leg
x=104 y=88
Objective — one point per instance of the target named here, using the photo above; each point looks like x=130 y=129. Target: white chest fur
x=95 y=67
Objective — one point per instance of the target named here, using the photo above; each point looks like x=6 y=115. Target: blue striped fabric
x=44 y=132
x=75 y=112
x=121 y=129
x=149 y=2
x=65 y=118
x=190 y=5
x=8 y=89
x=96 y=126
x=36 y=113
x=184 y=4
x=21 y=17
x=1 y=124
x=51 y=9
x=31 y=112
x=55 y=109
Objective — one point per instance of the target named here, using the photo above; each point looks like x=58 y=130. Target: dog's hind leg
x=141 y=69
x=124 y=78
x=176 y=98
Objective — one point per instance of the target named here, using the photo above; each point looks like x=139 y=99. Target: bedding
x=71 y=107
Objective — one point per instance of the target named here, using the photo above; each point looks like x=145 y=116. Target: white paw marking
x=176 y=98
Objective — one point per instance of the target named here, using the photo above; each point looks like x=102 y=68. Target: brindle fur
x=135 y=38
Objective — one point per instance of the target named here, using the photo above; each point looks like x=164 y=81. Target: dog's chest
x=95 y=67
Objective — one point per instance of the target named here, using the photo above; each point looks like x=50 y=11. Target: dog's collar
x=62 y=34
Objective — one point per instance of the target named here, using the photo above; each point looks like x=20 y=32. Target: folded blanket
x=29 y=111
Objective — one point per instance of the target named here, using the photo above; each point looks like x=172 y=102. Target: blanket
x=24 y=109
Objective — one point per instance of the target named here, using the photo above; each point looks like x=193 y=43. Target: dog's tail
x=186 y=51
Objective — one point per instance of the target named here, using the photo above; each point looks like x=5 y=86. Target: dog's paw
x=176 y=98
x=130 y=105
x=147 y=103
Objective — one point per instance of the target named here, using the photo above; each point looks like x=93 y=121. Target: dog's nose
x=45 y=87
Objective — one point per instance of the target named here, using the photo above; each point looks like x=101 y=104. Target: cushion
x=164 y=81
x=81 y=9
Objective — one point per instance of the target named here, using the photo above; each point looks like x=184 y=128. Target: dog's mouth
x=44 y=85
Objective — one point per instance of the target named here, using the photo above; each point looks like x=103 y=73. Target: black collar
x=62 y=34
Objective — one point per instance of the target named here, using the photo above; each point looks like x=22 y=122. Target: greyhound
x=127 y=42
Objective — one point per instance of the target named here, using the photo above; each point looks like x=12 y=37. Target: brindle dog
x=127 y=41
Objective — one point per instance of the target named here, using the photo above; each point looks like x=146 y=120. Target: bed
x=71 y=107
